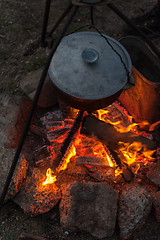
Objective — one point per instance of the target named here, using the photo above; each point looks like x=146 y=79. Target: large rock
x=134 y=208
x=154 y=174
x=34 y=197
x=48 y=97
x=156 y=204
x=90 y=207
x=6 y=158
x=14 y=110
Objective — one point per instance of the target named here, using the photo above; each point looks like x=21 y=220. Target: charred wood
x=68 y=140
x=91 y=161
x=109 y=136
x=127 y=173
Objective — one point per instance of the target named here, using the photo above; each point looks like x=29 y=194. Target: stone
x=156 y=204
x=154 y=174
x=134 y=207
x=6 y=158
x=48 y=97
x=14 y=110
x=34 y=197
x=29 y=236
x=90 y=207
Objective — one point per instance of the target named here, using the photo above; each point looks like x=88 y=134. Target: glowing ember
x=50 y=177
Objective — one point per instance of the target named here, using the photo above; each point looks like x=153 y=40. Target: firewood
x=91 y=161
x=109 y=136
x=127 y=173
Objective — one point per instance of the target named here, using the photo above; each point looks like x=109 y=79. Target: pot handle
x=90 y=55
x=130 y=83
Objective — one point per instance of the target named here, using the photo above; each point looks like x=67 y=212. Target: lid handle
x=90 y=55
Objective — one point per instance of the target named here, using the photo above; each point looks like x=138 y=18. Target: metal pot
x=143 y=100
x=89 y=70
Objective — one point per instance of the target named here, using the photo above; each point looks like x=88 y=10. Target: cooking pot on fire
x=89 y=70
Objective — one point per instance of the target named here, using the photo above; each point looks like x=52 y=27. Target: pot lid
x=86 y=66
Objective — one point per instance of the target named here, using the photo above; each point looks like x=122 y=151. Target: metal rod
x=91 y=16
x=69 y=7
x=45 y=23
x=140 y=33
x=34 y=104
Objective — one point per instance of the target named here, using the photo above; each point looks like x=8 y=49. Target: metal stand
x=45 y=71
x=45 y=23
x=91 y=5
x=34 y=104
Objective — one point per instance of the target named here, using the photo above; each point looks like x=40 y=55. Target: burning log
x=58 y=161
x=91 y=161
x=127 y=173
x=125 y=147
x=107 y=134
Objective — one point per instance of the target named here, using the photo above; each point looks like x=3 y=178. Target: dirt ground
x=20 y=54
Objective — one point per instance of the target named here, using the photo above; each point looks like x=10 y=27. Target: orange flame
x=70 y=153
x=135 y=151
x=50 y=177
x=152 y=127
x=118 y=172
x=109 y=160
x=131 y=127
x=102 y=115
x=84 y=146
x=90 y=147
x=137 y=168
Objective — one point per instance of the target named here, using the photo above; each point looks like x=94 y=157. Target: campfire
x=89 y=148
x=108 y=154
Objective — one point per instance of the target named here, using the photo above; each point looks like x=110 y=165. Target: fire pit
x=101 y=180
